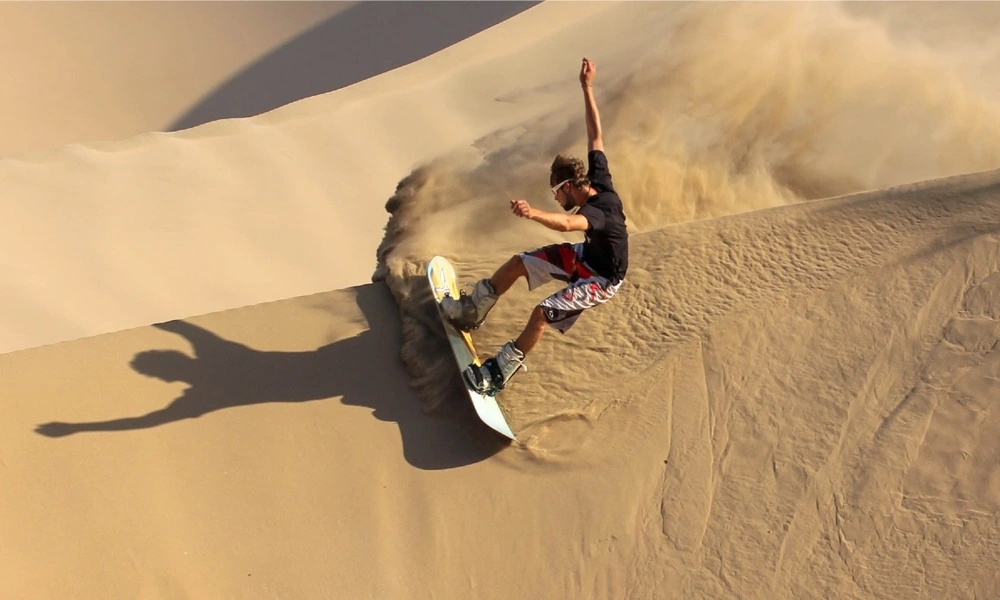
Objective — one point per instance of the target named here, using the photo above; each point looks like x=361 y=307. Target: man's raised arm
x=594 y=139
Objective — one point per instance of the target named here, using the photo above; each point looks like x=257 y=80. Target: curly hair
x=568 y=167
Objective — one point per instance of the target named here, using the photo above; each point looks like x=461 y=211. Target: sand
x=222 y=375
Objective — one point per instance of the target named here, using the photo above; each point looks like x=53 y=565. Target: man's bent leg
x=532 y=331
x=495 y=371
x=507 y=274
x=546 y=263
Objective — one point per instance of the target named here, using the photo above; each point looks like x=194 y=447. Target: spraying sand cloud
x=800 y=102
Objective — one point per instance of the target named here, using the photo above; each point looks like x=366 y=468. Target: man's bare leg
x=502 y=280
x=532 y=331
x=507 y=274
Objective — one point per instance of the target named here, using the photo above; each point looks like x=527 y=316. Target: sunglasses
x=555 y=188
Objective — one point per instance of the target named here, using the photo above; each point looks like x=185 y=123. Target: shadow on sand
x=365 y=370
x=360 y=42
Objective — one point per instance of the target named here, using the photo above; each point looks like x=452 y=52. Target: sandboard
x=441 y=276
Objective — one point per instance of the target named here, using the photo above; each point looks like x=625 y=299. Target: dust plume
x=739 y=108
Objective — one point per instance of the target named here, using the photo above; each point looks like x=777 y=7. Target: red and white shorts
x=564 y=262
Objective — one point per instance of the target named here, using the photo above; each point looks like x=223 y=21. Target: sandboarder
x=593 y=270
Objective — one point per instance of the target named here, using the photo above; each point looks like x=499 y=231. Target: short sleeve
x=594 y=215
x=598 y=172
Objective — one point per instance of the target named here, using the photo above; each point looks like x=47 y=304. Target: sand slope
x=801 y=408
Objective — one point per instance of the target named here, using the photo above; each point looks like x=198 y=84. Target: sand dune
x=791 y=397
x=802 y=409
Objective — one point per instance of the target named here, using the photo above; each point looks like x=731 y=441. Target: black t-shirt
x=605 y=247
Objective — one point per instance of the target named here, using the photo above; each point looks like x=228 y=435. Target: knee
x=538 y=319
x=516 y=264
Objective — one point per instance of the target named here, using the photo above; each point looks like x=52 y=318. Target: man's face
x=561 y=192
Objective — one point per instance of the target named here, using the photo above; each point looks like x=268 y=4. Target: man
x=594 y=269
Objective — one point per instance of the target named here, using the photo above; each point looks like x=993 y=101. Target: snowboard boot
x=469 y=310
x=494 y=374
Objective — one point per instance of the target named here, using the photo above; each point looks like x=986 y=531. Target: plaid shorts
x=564 y=262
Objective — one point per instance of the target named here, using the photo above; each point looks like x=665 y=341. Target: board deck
x=442 y=279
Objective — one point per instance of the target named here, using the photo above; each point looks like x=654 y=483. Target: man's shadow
x=365 y=369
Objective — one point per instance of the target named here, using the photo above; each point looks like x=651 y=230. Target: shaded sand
x=100 y=71
x=791 y=397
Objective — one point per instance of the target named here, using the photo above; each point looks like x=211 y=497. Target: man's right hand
x=521 y=208
x=594 y=140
